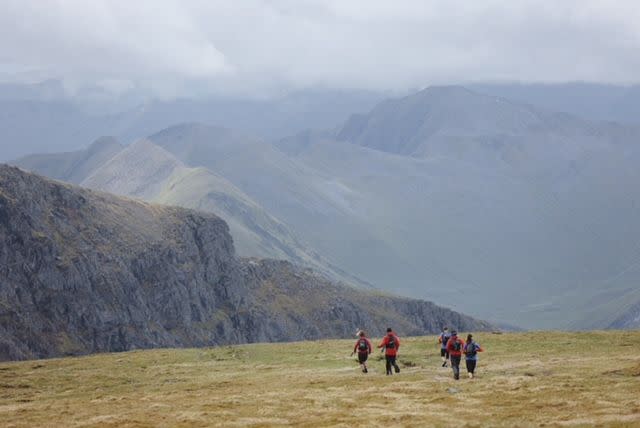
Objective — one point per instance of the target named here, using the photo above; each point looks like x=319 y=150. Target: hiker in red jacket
x=455 y=346
x=363 y=348
x=391 y=344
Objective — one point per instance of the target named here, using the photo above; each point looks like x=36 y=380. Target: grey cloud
x=250 y=45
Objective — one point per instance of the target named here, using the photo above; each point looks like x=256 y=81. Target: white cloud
x=366 y=44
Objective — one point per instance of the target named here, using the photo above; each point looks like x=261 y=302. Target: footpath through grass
x=527 y=379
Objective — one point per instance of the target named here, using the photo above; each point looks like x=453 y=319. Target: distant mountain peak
x=198 y=131
x=451 y=120
x=103 y=143
x=446 y=90
x=132 y=169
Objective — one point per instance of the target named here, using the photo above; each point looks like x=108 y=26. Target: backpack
x=362 y=345
x=391 y=344
x=445 y=338
x=457 y=346
x=472 y=349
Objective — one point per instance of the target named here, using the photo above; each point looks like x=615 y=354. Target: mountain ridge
x=84 y=271
x=548 y=208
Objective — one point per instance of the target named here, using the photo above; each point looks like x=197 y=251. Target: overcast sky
x=244 y=45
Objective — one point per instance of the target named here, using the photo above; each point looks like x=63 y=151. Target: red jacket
x=451 y=346
x=391 y=352
x=356 y=348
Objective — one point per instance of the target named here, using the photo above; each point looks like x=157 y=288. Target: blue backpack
x=472 y=349
x=445 y=338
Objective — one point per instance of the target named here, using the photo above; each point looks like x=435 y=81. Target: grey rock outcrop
x=83 y=271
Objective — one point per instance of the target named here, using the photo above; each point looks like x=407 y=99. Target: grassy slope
x=524 y=379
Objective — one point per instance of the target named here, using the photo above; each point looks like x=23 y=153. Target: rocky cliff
x=83 y=271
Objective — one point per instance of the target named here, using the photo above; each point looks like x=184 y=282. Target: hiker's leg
x=388 y=362
x=471 y=366
x=392 y=360
x=455 y=366
x=363 y=361
x=395 y=365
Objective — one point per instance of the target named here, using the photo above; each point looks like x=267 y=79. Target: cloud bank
x=254 y=45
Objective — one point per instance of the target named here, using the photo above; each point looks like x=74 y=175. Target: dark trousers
x=471 y=365
x=391 y=361
x=455 y=366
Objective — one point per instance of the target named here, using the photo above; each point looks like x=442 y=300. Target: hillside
x=532 y=379
x=454 y=122
x=72 y=167
x=82 y=272
x=587 y=100
x=470 y=198
x=144 y=170
x=557 y=222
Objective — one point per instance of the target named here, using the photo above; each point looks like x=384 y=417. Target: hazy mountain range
x=45 y=118
x=614 y=103
x=84 y=271
x=498 y=208
x=147 y=171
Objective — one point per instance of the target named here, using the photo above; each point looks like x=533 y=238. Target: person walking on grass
x=391 y=344
x=363 y=348
x=455 y=347
x=442 y=340
x=471 y=349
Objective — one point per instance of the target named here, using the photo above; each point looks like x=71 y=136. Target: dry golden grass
x=528 y=379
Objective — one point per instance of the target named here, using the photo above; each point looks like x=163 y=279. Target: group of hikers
x=452 y=348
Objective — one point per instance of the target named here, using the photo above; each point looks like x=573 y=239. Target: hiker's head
x=445 y=329
x=469 y=337
x=361 y=333
x=454 y=333
x=389 y=330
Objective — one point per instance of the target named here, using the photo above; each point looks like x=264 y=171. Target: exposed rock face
x=82 y=271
